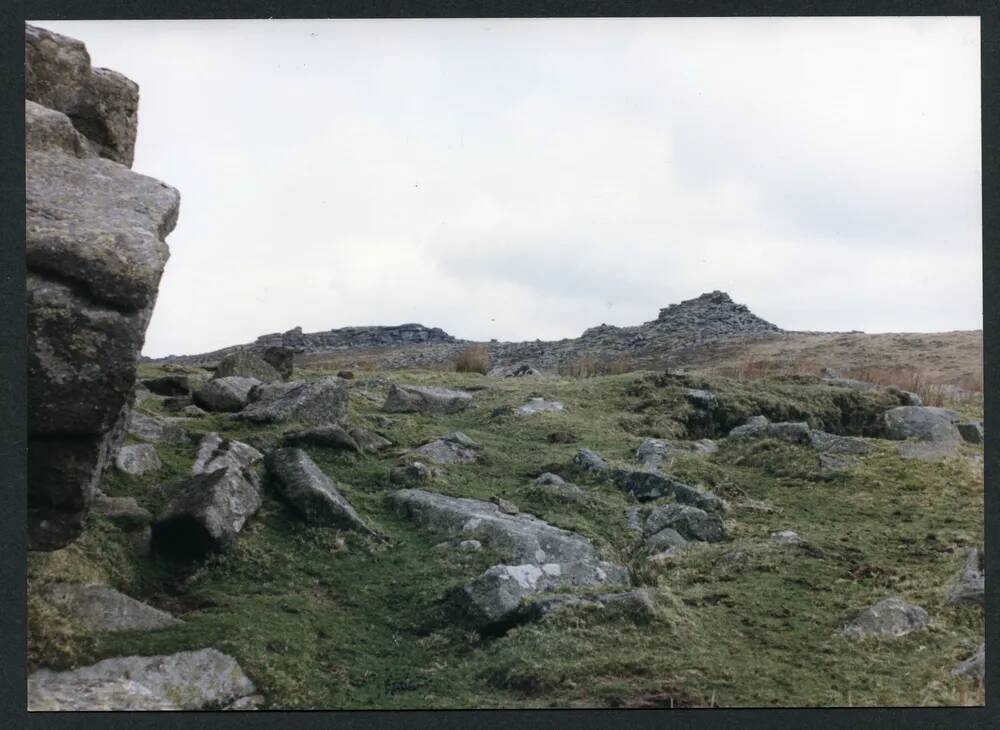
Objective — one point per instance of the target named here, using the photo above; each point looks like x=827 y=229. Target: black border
x=13 y=414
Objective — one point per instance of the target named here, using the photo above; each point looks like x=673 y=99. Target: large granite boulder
x=189 y=680
x=281 y=359
x=303 y=485
x=543 y=557
x=204 y=514
x=425 y=399
x=309 y=402
x=95 y=252
x=100 y=608
x=227 y=394
x=923 y=423
x=215 y=452
x=246 y=364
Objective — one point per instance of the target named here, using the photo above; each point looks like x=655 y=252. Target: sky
x=529 y=178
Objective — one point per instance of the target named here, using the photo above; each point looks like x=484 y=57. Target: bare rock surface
x=189 y=680
x=303 y=485
x=95 y=252
x=309 y=402
x=245 y=364
x=923 y=423
x=138 y=459
x=215 y=453
x=829 y=443
x=100 y=608
x=331 y=435
x=226 y=395
x=796 y=432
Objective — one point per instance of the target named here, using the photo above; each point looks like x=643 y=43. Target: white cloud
x=521 y=179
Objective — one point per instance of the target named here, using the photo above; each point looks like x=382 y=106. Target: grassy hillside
x=323 y=619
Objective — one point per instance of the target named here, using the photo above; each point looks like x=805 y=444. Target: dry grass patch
x=475 y=359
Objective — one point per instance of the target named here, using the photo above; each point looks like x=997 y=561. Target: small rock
x=970 y=584
x=971 y=432
x=795 y=432
x=540 y=405
x=691 y=522
x=519 y=370
x=590 y=461
x=454 y=448
x=345 y=374
x=832 y=444
x=923 y=423
x=786 y=537
x=193 y=411
x=505 y=506
x=368 y=441
x=414 y=473
x=472 y=545
x=701 y=399
x=665 y=539
x=837 y=462
x=214 y=452
x=138 y=459
x=890 y=617
x=549 y=478
x=100 y=608
x=974 y=666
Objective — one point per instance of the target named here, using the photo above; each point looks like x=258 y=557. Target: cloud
x=525 y=179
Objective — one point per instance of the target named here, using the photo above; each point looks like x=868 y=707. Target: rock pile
x=95 y=252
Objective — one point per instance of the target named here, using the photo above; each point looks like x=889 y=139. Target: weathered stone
x=795 y=432
x=786 y=537
x=652 y=452
x=701 y=399
x=922 y=423
x=95 y=254
x=148 y=427
x=138 y=459
x=455 y=448
x=281 y=359
x=837 y=462
x=414 y=473
x=193 y=411
x=518 y=370
x=590 y=461
x=974 y=666
x=205 y=514
x=215 y=453
x=972 y=432
x=832 y=444
x=303 y=485
x=100 y=608
x=189 y=680
x=225 y=395
x=665 y=539
x=369 y=441
x=102 y=104
x=330 y=435
x=169 y=385
x=505 y=505
x=970 y=585
x=692 y=523
x=890 y=617
x=549 y=478
x=309 y=402
x=540 y=405
x=124 y=512
x=638 y=604
x=424 y=399
x=245 y=364
x=646 y=486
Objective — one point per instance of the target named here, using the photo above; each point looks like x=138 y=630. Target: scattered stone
x=214 y=453
x=646 y=486
x=138 y=459
x=193 y=411
x=837 y=462
x=520 y=370
x=922 y=423
x=414 y=473
x=329 y=435
x=425 y=399
x=313 y=493
x=472 y=545
x=281 y=359
x=590 y=461
x=151 y=428
x=971 y=432
x=786 y=537
x=735 y=557
x=540 y=405
x=169 y=385
x=889 y=617
x=796 y=432
x=832 y=444
x=974 y=666
x=204 y=514
x=665 y=539
x=701 y=399
x=505 y=506
x=970 y=584
x=549 y=478
x=369 y=441
x=455 y=448
x=310 y=402
x=692 y=523
x=246 y=364
x=189 y=680
x=652 y=452
x=550 y=558
x=100 y=608
x=226 y=395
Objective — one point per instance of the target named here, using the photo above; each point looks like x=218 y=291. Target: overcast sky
x=525 y=179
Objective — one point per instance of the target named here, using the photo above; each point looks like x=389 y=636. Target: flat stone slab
x=309 y=402
x=540 y=405
x=189 y=680
x=888 y=618
x=100 y=608
x=829 y=443
x=330 y=435
x=303 y=485
x=425 y=399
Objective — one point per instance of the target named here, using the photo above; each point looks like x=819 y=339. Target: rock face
x=425 y=399
x=545 y=558
x=246 y=364
x=138 y=459
x=227 y=394
x=392 y=336
x=100 y=608
x=95 y=252
x=301 y=483
x=204 y=515
x=189 y=680
x=690 y=522
x=309 y=402
x=891 y=617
